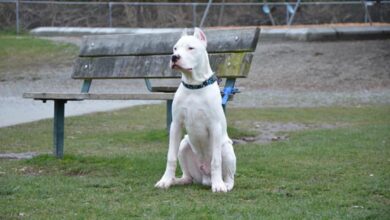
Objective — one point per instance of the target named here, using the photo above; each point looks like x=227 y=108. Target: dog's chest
x=198 y=111
x=195 y=115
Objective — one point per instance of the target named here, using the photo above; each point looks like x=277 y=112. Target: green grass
x=26 y=52
x=112 y=160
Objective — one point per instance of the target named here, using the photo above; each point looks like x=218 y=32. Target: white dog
x=206 y=153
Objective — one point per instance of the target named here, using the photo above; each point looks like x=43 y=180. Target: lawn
x=113 y=159
x=19 y=54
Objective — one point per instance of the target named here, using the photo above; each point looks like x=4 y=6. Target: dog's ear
x=184 y=33
x=198 y=33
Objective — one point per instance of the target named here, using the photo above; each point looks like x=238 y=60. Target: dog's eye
x=174 y=48
x=191 y=48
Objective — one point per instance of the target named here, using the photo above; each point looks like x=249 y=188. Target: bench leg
x=58 y=131
x=227 y=91
x=169 y=114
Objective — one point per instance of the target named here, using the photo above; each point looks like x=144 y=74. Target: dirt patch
x=277 y=131
x=310 y=74
x=320 y=66
x=18 y=156
x=30 y=171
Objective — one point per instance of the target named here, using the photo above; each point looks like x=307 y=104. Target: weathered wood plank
x=54 y=96
x=132 y=96
x=99 y=96
x=219 y=41
x=224 y=65
x=164 y=88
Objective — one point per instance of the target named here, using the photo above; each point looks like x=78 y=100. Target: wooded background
x=97 y=14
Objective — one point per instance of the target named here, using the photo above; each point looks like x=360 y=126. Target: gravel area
x=296 y=74
x=291 y=74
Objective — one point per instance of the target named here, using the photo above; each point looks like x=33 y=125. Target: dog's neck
x=199 y=73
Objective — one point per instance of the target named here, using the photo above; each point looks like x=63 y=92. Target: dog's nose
x=175 y=58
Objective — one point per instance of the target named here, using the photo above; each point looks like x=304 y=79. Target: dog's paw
x=164 y=183
x=185 y=180
x=219 y=187
x=229 y=185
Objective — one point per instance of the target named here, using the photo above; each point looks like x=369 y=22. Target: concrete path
x=16 y=110
x=310 y=33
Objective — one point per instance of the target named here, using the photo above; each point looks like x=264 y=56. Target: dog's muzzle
x=175 y=58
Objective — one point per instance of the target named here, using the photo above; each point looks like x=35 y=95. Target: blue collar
x=205 y=83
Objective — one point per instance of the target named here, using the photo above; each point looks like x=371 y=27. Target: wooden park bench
x=146 y=56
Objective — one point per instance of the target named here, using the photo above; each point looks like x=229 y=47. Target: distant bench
x=146 y=56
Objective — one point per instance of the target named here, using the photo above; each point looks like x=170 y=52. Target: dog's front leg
x=217 y=184
x=174 y=140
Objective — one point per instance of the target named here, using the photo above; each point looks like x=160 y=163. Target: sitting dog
x=205 y=154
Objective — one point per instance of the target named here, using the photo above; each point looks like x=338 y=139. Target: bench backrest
x=147 y=55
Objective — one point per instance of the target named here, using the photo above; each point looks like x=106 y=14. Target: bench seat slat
x=220 y=41
x=225 y=65
x=99 y=96
x=164 y=88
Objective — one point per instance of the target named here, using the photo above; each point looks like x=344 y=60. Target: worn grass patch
x=112 y=160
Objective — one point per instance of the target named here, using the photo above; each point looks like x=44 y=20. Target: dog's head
x=189 y=51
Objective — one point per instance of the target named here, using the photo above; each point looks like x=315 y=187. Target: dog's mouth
x=178 y=67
